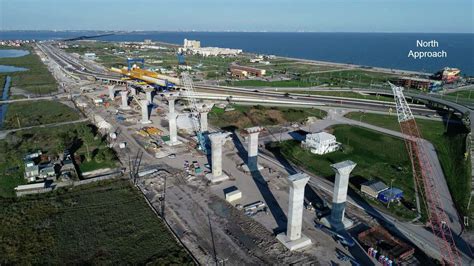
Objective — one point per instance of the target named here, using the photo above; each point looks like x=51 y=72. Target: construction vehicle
x=189 y=92
x=423 y=175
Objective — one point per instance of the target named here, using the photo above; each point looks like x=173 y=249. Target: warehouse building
x=373 y=188
x=249 y=70
x=240 y=74
x=419 y=83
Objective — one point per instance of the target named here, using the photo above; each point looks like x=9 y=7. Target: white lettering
x=422 y=43
x=427 y=54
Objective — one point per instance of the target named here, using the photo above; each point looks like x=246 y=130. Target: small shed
x=373 y=188
x=390 y=195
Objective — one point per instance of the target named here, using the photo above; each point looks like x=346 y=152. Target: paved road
x=417 y=234
x=438 y=175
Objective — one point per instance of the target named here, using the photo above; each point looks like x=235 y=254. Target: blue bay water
x=389 y=50
x=8 y=53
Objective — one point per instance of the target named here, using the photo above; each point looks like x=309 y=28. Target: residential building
x=90 y=56
x=31 y=173
x=321 y=143
x=47 y=172
x=192 y=44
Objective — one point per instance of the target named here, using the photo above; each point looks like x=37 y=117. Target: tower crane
x=190 y=93
x=423 y=175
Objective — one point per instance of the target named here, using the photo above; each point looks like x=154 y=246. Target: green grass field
x=105 y=223
x=247 y=116
x=465 y=95
x=342 y=78
x=25 y=114
x=281 y=83
x=51 y=141
x=37 y=79
x=378 y=156
x=450 y=144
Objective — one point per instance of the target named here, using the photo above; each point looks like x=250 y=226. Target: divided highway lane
x=329 y=100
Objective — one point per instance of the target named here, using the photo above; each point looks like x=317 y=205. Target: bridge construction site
x=230 y=199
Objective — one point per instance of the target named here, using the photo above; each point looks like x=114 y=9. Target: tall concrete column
x=203 y=120
x=217 y=140
x=133 y=91
x=149 y=95
x=111 y=92
x=341 y=184
x=253 y=147
x=173 y=129
x=293 y=239
x=124 y=95
x=145 y=112
x=171 y=101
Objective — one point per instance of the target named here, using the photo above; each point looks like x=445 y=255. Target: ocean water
x=389 y=50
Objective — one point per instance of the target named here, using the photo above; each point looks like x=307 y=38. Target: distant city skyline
x=427 y=16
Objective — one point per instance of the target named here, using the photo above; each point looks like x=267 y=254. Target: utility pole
x=212 y=239
x=391 y=192
x=163 y=199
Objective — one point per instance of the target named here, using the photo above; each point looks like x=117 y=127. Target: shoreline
x=327 y=63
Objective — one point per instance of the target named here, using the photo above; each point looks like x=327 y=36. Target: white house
x=90 y=56
x=321 y=143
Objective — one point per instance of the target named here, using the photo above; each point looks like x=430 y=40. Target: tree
x=87 y=139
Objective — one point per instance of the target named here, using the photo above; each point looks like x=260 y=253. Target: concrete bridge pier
x=145 y=112
x=217 y=141
x=293 y=238
x=111 y=89
x=253 y=148
x=173 y=130
x=124 y=97
x=341 y=184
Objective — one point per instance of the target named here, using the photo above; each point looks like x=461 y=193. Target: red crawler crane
x=422 y=173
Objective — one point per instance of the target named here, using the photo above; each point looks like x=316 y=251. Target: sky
x=240 y=15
